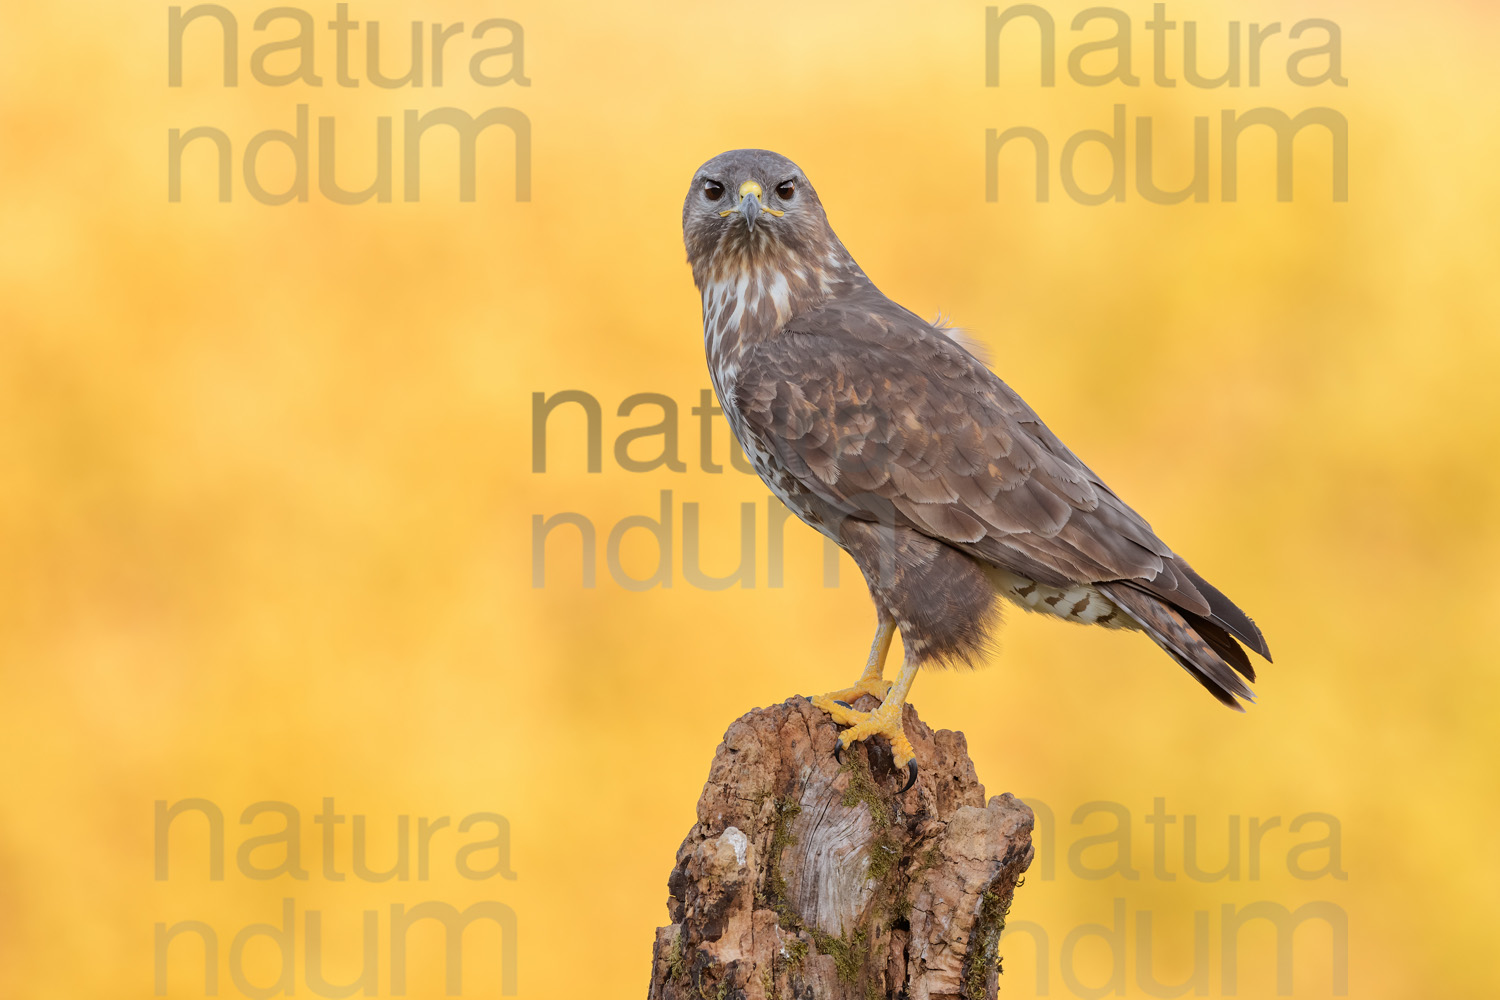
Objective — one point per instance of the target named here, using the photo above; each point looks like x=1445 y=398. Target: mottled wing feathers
x=884 y=417
x=881 y=415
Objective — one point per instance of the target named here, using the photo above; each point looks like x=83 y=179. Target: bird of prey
x=883 y=432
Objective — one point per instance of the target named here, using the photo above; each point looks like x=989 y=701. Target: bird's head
x=750 y=209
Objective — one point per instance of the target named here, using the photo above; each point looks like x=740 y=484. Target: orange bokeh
x=267 y=516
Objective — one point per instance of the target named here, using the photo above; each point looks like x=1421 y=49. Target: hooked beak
x=750 y=206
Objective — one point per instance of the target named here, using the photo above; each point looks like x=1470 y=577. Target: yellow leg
x=872 y=682
x=886 y=721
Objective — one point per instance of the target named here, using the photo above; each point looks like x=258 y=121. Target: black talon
x=838 y=749
x=911 y=775
x=845 y=704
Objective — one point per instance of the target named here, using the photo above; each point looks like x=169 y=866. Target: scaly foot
x=884 y=721
x=840 y=704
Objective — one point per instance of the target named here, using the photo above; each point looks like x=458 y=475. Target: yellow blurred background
x=267 y=515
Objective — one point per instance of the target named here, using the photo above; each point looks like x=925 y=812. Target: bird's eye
x=713 y=190
x=785 y=190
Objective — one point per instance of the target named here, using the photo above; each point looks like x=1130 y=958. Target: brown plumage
x=882 y=431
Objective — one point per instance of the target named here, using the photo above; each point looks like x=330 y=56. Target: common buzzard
x=883 y=432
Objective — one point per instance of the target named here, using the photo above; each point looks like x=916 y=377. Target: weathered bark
x=806 y=879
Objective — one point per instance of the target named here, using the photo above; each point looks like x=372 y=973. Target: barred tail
x=1205 y=649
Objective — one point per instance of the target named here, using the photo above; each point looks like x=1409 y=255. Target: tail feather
x=1221 y=642
x=1201 y=651
x=1227 y=616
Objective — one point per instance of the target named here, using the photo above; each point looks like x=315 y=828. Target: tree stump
x=804 y=878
